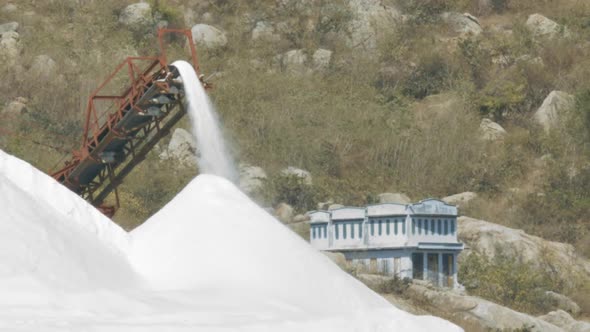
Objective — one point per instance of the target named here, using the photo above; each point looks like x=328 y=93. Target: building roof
x=319 y=217
x=432 y=207
x=348 y=213
x=386 y=209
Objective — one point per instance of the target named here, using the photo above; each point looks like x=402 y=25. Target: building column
x=440 y=269
x=425 y=266
x=455 y=281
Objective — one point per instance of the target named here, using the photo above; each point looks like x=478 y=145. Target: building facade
x=416 y=241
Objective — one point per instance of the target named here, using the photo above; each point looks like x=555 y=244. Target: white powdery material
x=210 y=260
x=214 y=158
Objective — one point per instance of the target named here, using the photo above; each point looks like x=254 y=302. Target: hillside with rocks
x=482 y=103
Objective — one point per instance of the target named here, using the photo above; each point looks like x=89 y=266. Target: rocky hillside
x=484 y=102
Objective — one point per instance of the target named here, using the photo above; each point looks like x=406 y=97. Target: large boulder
x=541 y=26
x=182 y=148
x=251 y=178
x=10 y=45
x=463 y=24
x=304 y=175
x=264 y=31
x=285 y=213
x=473 y=313
x=321 y=59
x=399 y=198
x=370 y=18
x=43 y=67
x=9 y=8
x=491 y=131
x=490 y=239
x=460 y=200
x=137 y=16
x=563 y=320
x=208 y=36
x=335 y=207
x=294 y=61
x=15 y=108
x=553 y=108
x=8 y=27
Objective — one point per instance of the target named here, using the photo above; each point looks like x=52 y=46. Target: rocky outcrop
x=182 y=148
x=463 y=24
x=473 y=313
x=10 y=45
x=43 y=67
x=208 y=36
x=491 y=131
x=9 y=8
x=563 y=320
x=264 y=31
x=370 y=17
x=304 y=175
x=399 y=198
x=137 y=16
x=9 y=27
x=558 y=258
x=285 y=212
x=553 y=108
x=460 y=200
x=15 y=108
x=321 y=59
x=293 y=61
x=251 y=178
x=335 y=206
x=541 y=26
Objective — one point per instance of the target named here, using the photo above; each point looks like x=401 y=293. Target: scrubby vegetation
x=507 y=281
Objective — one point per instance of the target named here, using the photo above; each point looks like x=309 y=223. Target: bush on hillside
x=291 y=189
x=506 y=281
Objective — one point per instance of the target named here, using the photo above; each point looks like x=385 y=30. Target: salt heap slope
x=60 y=259
x=212 y=239
x=51 y=235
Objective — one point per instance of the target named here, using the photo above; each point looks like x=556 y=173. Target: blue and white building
x=416 y=241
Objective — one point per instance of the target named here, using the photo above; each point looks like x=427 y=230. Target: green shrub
x=506 y=281
x=431 y=76
x=291 y=189
x=395 y=285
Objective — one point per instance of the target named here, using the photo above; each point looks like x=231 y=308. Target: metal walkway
x=120 y=130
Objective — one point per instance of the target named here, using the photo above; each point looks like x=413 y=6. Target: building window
x=325 y=231
x=438 y=230
x=352 y=230
x=313 y=232
x=413 y=226
x=372 y=227
x=446 y=227
x=419 y=226
x=344 y=231
x=336 y=231
x=426 y=225
x=360 y=229
x=431 y=226
x=395 y=226
x=452 y=226
x=387 y=227
x=380 y=223
x=403 y=222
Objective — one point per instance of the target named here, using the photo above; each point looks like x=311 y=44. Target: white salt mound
x=211 y=260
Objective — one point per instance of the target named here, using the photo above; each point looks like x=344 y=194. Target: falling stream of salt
x=214 y=158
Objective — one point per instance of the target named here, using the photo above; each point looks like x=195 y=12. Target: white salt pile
x=211 y=260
